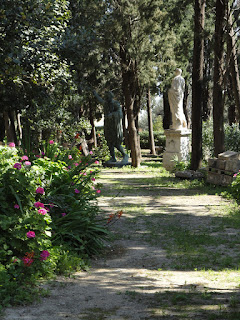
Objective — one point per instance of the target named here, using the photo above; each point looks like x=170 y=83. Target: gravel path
x=138 y=277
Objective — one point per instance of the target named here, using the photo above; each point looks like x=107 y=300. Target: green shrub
x=232 y=138
x=159 y=139
x=49 y=215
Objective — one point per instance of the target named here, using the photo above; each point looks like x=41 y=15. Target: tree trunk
x=93 y=138
x=129 y=92
x=150 y=124
x=206 y=76
x=10 y=127
x=166 y=112
x=2 y=127
x=19 y=126
x=125 y=130
x=133 y=137
x=185 y=101
x=232 y=118
x=197 y=83
x=232 y=54
x=218 y=78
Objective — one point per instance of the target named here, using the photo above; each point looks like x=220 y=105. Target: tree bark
x=10 y=127
x=166 y=112
x=2 y=127
x=129 y=92
x=150 y=124
x=185 y=101
x=206 y=76
x=232 y=54
x=197 y=84
x=218 y=77
x=232 y=118
x=93 y=138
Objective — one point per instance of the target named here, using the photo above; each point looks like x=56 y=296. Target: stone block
x=214 y=178
x=233 y=165
x=212 y=162
x=226 y=180
x=221 y=164
x=229 y=155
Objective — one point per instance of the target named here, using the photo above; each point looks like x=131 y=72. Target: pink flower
x=31 y=234
x=69 y=157
x=27 y=261
x=11 y=145
x=38 y=204
x=17 y=165
x=40 y=190
x=63 y=214
x=93 y=187
x=98 y=191
x=51 y=142
x=43 y=153
x=38 y=156
x=76 y=191
x=16 y=206
x=24 y=158
x=90 y=152
x=84 y=173
x=27 y=163
x=44 y=255
x=235 y=175
x=93 y=179
x=96 y=162
x=51 y=205
x=42 y=211
x=76 y=164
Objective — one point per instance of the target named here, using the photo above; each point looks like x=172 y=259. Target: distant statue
x=175 y=97
x=113 y=130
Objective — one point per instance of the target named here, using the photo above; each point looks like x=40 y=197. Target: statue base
x=177 y=147
x=118 y=164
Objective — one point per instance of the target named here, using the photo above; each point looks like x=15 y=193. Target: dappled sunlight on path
x=172 y=257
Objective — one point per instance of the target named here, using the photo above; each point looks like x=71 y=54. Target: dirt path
x=149 y=271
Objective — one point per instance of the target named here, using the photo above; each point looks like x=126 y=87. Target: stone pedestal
x=177 y=146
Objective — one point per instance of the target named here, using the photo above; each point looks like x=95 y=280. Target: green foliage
x=181 y=165
x=158 y=124
x=235 y=187
x=207 y=139
x=159 y=139
x=232 y=137
x=49 y=215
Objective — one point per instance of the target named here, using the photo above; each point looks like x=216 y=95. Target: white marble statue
x=175 y=97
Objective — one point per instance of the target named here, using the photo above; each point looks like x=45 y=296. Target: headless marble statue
x=175 y=97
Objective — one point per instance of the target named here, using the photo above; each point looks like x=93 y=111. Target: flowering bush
x=47 y=204
x=235 y=187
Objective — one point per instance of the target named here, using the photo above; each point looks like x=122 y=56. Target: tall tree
x=197 y=83
x=233 y=63
x=150 y=123
x=28 y=66
x=218 y=85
